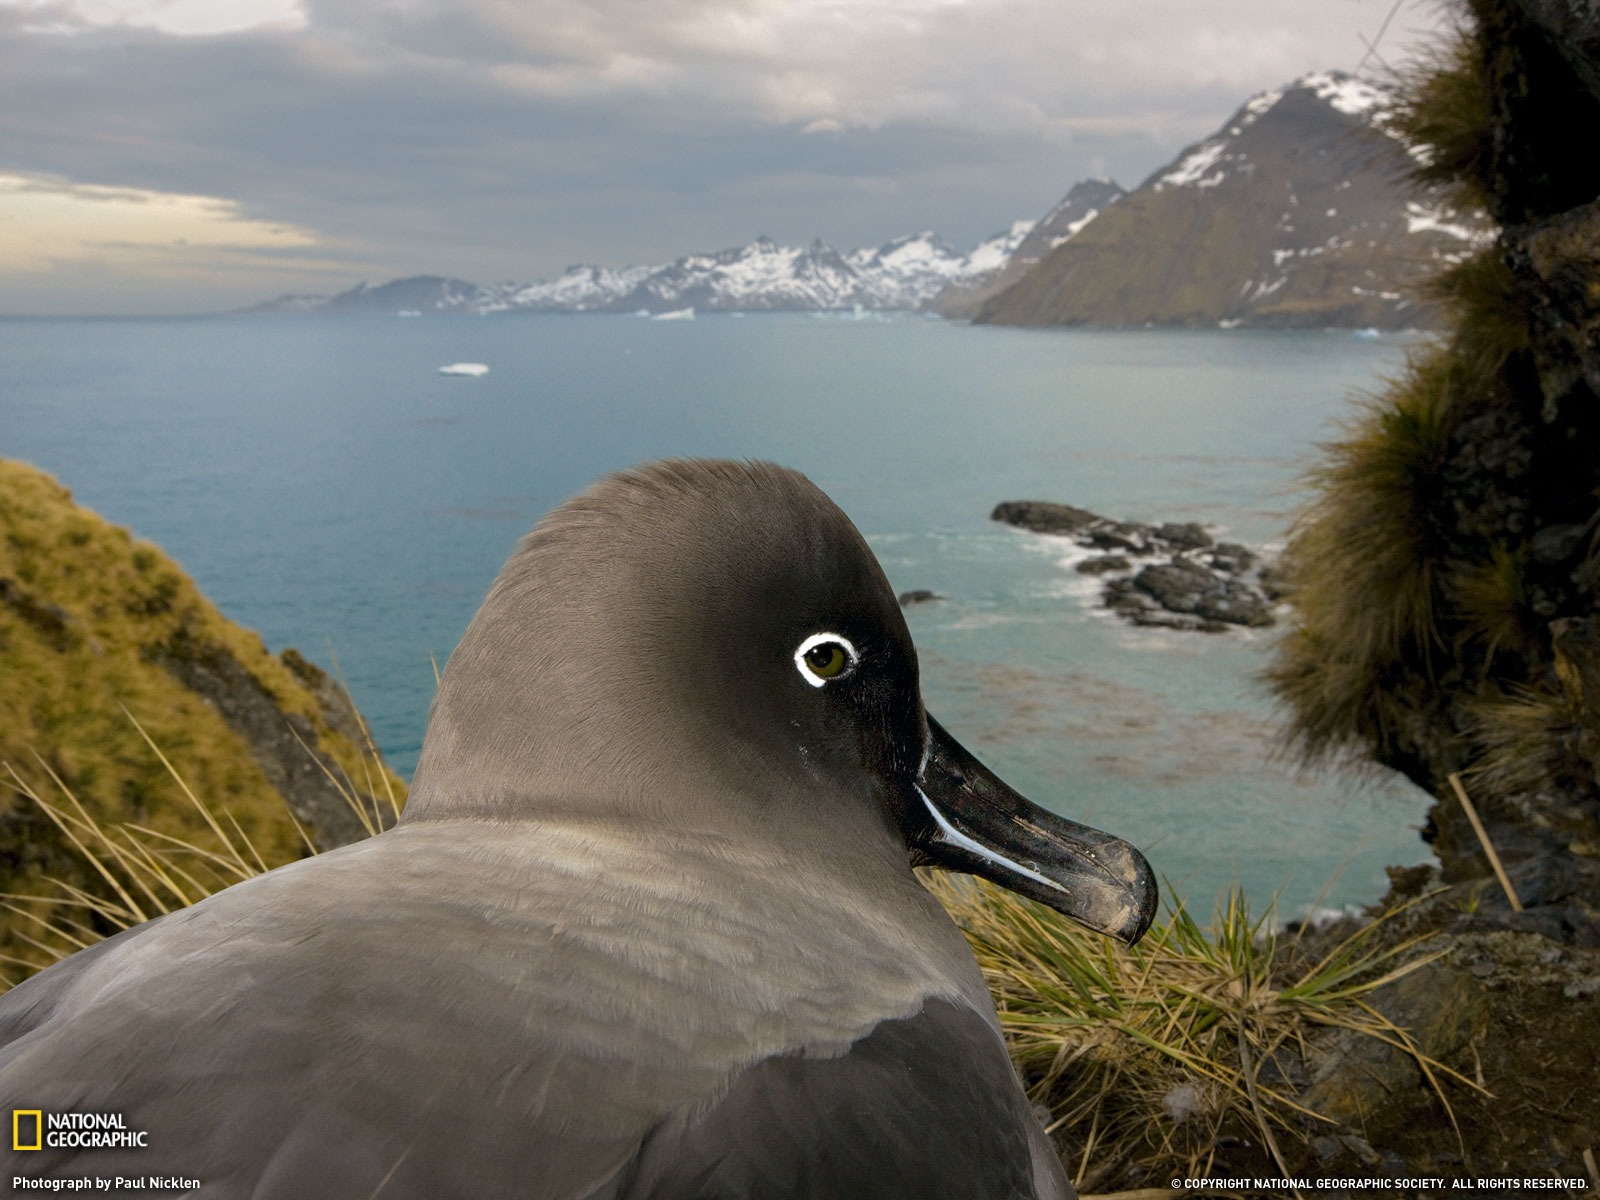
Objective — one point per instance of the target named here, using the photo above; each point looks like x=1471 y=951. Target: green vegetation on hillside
x=102 y=634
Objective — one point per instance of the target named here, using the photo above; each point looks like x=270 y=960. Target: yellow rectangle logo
x=18 y=1124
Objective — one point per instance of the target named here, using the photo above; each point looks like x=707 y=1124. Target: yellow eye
x=825 y=656
x=827 y=660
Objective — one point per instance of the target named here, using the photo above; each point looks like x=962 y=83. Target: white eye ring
x=818 y=639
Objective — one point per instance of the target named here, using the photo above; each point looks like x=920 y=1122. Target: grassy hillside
x=101 y=634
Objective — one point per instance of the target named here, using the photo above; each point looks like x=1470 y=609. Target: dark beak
x=976 y=824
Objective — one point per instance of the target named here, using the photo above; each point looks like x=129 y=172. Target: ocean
x=326 y=486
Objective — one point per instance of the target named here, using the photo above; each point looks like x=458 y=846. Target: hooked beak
x=976 y=824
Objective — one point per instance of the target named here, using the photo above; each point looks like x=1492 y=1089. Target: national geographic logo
x=24 y=1120
x=35 y=1129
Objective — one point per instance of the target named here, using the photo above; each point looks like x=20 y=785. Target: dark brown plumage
x=648 y=928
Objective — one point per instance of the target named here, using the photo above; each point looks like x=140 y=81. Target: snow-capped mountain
x=762 y=276
x=577 y=289
x=1298 y=212
x=1083 y=203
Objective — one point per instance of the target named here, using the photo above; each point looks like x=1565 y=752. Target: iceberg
x=472 y=370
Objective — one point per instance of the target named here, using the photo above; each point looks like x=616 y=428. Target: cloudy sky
x=163 y=156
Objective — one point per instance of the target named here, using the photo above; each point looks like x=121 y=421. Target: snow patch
x=1074 y=227
x=1352 y=96
x=1193 y=169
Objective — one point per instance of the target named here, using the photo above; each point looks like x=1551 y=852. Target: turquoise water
x=327 y=487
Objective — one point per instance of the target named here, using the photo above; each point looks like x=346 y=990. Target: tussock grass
x=1364 y=566
x=1488 y=313
x=1445 y=109
x=1490 y=601
x=1527 y=739
x=131 y=872
x=1150 y=1056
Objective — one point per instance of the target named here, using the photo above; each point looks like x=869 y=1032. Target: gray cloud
x=493 y=139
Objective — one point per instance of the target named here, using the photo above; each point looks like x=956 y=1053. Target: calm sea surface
x=327 y=487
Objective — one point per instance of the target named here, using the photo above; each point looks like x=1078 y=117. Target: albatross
x=648 y=928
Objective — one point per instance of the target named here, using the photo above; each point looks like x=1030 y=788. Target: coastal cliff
x=102 y=636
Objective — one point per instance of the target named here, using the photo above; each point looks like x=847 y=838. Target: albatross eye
x=826 y=660
x=824 y=656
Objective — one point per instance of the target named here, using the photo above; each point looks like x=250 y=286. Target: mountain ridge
x=760 y=276
x=1296 y=213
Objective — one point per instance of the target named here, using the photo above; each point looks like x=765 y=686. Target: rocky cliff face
x=1447 y=573
x=1295 y=214
x=99 y=631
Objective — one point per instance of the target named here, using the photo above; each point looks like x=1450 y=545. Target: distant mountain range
x=760 y=277
x=1296 y=213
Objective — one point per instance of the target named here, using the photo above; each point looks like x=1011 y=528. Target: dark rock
x=917 y=596
x=1274 y=582
x=337 y=707
x=1177 y=586
x=1103 y=563
x=286 y=749
x=1407 y=883
x=1361 y=1149
x=1154 y=618
x=1125 y=536
x=1355 y=1077
x=1557 y=543
x=1199 y=587
x=1189 y=535
x=1041 y=516
x=1121 y=596
x=1185 y=586
x=1232 y=557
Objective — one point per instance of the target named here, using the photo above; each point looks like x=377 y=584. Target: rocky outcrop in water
x=1173 y=575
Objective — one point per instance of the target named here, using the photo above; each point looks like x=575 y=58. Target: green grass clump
x=1445 y=111
x=1149 y=1055
x=1490 y=602
x=1365 y=566
x=130 y=872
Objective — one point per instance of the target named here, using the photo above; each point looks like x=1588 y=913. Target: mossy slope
x=97 y=627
